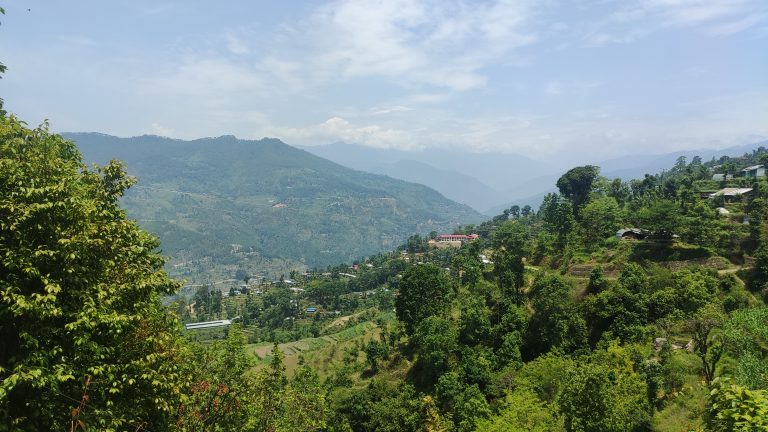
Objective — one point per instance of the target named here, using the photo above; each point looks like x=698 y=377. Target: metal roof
x=731 y=192
x=207 y=324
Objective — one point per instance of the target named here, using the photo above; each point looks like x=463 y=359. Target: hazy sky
x=571 y=78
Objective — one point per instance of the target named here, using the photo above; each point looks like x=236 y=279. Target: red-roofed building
x=456 y=237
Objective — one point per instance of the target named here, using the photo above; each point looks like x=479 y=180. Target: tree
x=597 y=281
x=605 y=395
x=706 y=342
x=475 y=322
x=436 y=341
x=621 y=310
x=3 y=68
x=661 y=216
x=80 y=291
x=510 y=242
x=375 y=351
x=270 y=392
x=555 y=323
x=576 y=185
x=619 y=191
x=745 y=336
x=600 y=218
x=732 y=408
x=433 y=422
x=522 y=411
x=304 y=404
x=219 y=395
x=423 y=292
x=557 y=215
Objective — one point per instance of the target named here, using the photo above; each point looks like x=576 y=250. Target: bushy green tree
x=732 y=408
x=661 y=216
x=79 y=294
x=218 y=395
x=475 y=322
x=556 y=322
x=436 y=340
x=600 y=219
x=522 y=411
x=707 y=342
x=576 y=185
x=423 y=292
x=557 y=215
x=510 y=243
x=622 y=310
x=605 y=396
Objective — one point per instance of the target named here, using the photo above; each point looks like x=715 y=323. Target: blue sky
x=573 y=79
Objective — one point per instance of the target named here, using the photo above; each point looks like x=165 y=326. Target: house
x=731 y=192
x=311 y=310
x=632 y=234
x=754 y=171
x=722 y=177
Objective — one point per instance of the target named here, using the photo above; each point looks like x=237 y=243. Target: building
x=722 y=177
x=457 y=237
x=632 y=234
x=754 y=171
x=451 y=240
x=730 y=193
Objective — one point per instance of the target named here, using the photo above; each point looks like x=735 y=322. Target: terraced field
x=321 y=353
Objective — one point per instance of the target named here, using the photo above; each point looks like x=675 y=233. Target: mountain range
x=222 y=204
x=490 y=182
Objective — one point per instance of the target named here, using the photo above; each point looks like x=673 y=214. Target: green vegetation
x=222 y=205
x=547 y=321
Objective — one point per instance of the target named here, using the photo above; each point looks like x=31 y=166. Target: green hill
x=224 y=204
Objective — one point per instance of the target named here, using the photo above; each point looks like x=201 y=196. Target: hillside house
x=722 y=177
x=754 y=171
x=731 y=193
x=632 y=234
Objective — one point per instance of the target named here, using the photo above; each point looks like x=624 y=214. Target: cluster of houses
x=753 y=171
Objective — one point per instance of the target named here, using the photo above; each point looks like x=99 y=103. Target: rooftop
x=731 y=192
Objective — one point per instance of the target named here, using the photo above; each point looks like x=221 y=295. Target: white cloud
x=443 y=44
x=156 y=129
x=634 y=20
x=211 y=77
x=339 y=129
x=236 y=45
x=379 y=110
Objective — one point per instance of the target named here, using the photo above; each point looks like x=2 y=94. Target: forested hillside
x=556 y=320
x=222 y=204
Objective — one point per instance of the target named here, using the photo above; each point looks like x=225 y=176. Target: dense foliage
x=80 y=318
x=547 y=322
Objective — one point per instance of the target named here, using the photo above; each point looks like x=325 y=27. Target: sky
x=550 y=79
